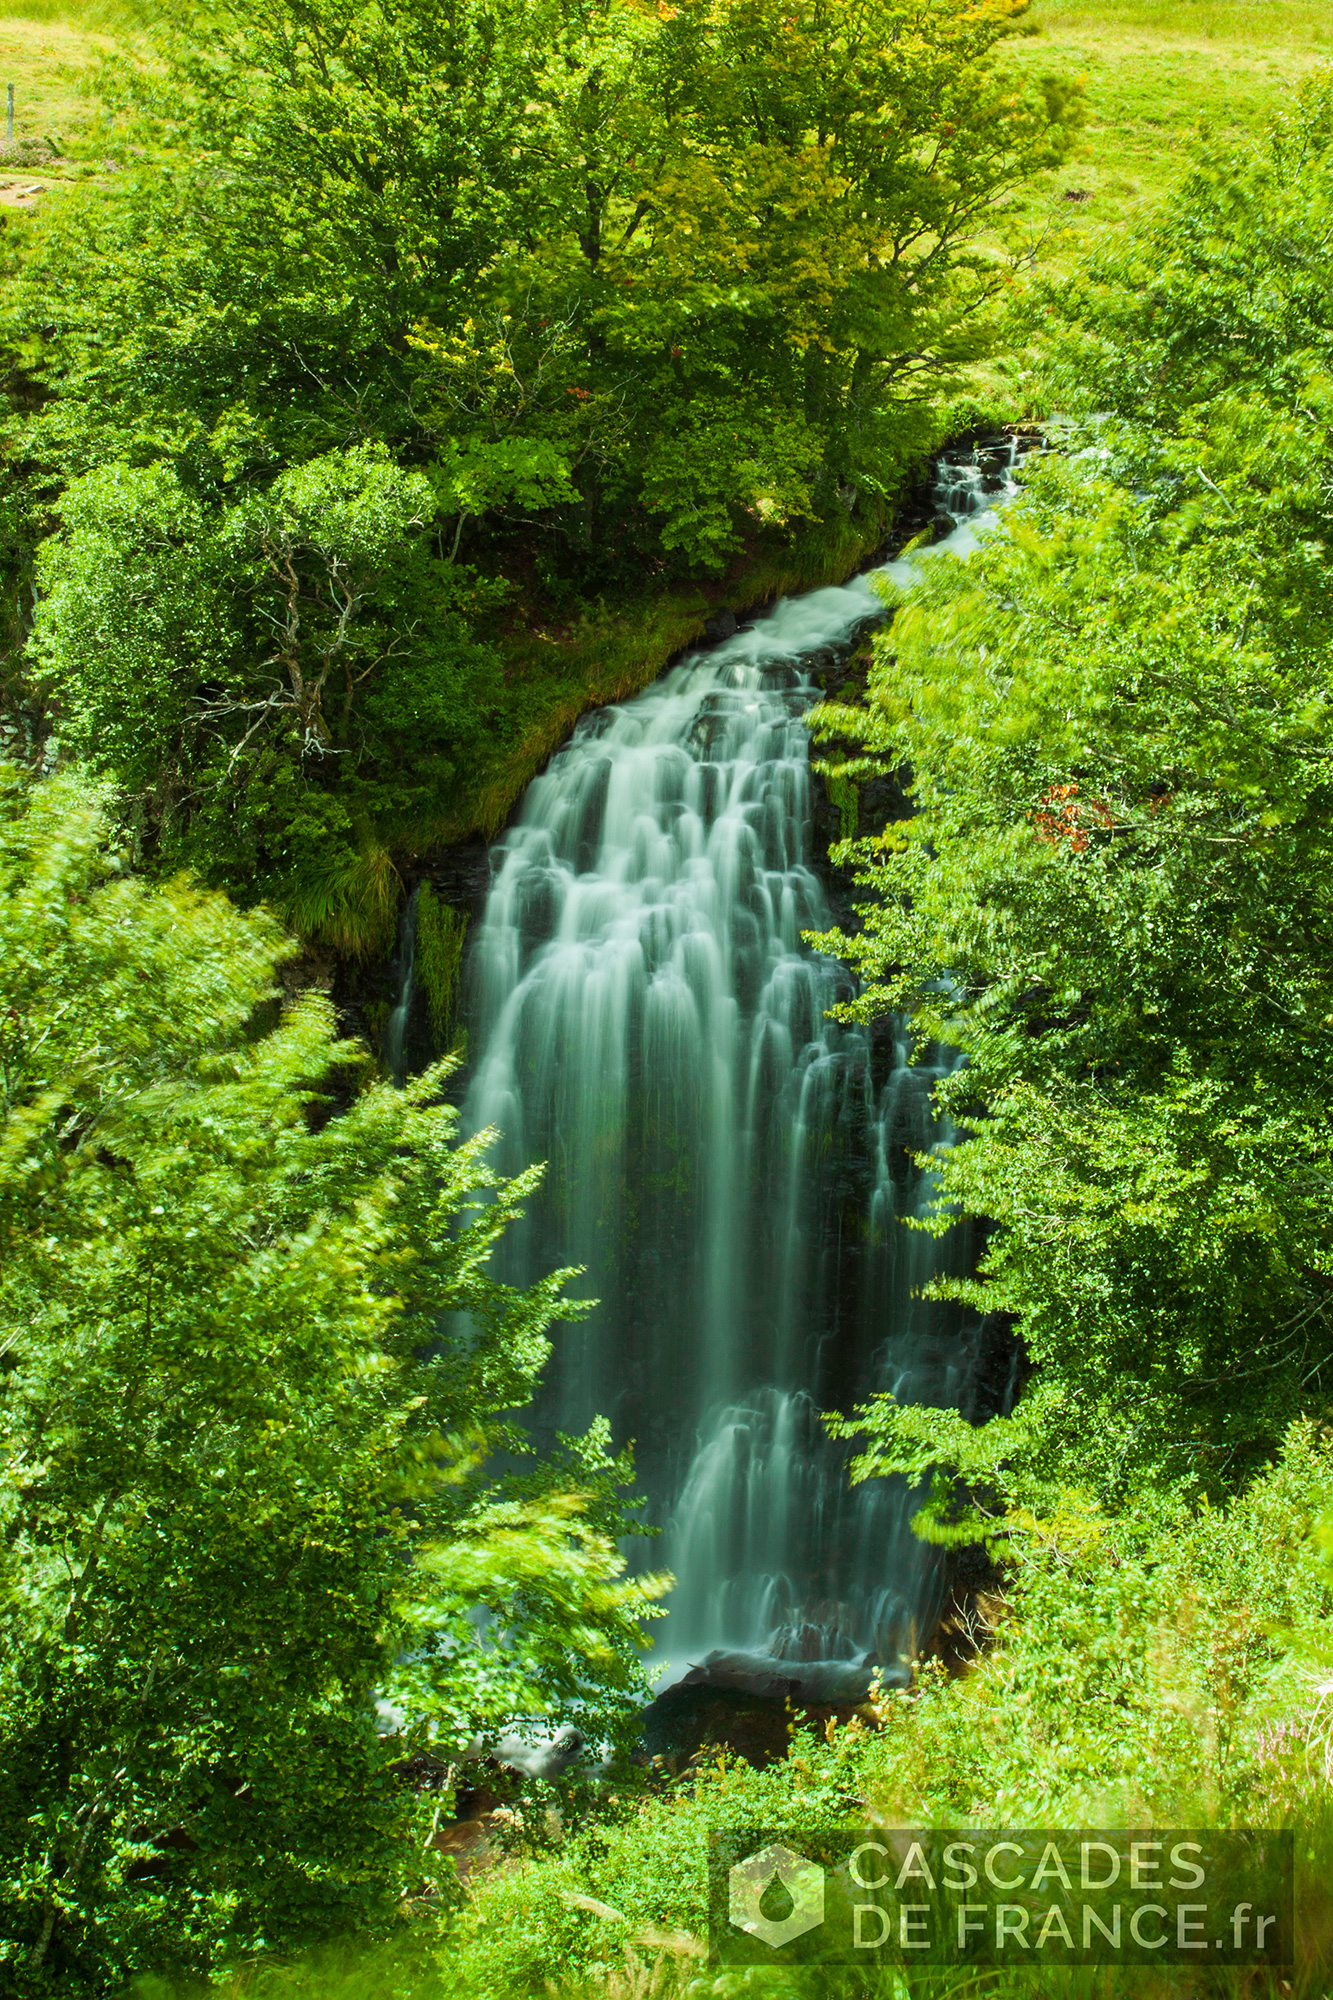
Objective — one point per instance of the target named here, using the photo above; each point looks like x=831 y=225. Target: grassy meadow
x=1154 y=71
x=52 y=54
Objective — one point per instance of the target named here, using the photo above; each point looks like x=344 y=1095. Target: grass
x=1154 y=72
x=51 y=53
x=632 y=1963
x=613 y=653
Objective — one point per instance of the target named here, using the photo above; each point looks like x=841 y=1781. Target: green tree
x=245 y=1456
x=614 y=289
x=1114 y=891
x=221 y=663
x=768 y=235
x=760 y=231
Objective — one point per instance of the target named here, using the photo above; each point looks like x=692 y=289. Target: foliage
x=1148 y=1671
x=347 y=895
x=440 y=935
x=245 y=1449
x=585 y=295
x=223 y=662
x=1114 y=893
x=537 y=246
x=390 y=313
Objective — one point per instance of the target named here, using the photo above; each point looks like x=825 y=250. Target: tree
x=765 y=232
x=1114 y=893
x=775 y=232
x=246 y=1449
x=566 y=295
x=222 y=662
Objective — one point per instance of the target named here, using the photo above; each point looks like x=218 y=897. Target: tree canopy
x=541 y=295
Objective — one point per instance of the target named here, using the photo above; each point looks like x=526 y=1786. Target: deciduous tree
x=253 y=1376
x=1114 y=890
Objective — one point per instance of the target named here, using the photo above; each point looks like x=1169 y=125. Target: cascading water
x=405 y=969
x=732 y=1168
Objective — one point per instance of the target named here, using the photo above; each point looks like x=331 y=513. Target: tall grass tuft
x=350 y=903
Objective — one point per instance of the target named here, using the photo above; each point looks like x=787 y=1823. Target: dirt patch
x=20 y=193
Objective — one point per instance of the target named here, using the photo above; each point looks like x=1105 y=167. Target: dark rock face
x=722 y=625
x=1000 y=1367
x=461 y=875
x=881 y=799
x=684 y=1723
x=746 y=1701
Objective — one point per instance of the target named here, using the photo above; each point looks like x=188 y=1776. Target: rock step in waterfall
x=732 y=1169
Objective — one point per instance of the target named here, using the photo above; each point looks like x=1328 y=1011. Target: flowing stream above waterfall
x=732 y=1168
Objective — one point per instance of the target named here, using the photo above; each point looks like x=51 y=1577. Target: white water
x=731 y=1167
x=405 y=974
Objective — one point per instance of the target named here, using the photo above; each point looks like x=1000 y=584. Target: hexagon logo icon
x=749 y=1882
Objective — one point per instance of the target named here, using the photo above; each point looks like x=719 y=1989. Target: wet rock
x=772 y=1679
x=722 y=625
x=461 y=875
x=684 y=1722
x=999 y=1368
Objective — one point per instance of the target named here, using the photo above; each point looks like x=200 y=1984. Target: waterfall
x=405 y=969
x=733 y=1170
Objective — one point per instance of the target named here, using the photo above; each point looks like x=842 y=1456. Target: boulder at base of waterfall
x=722 y=625
x=821 y=1682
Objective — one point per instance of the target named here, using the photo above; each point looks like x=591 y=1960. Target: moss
x=845 y=794
x=614 y=652
x=441 y=931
